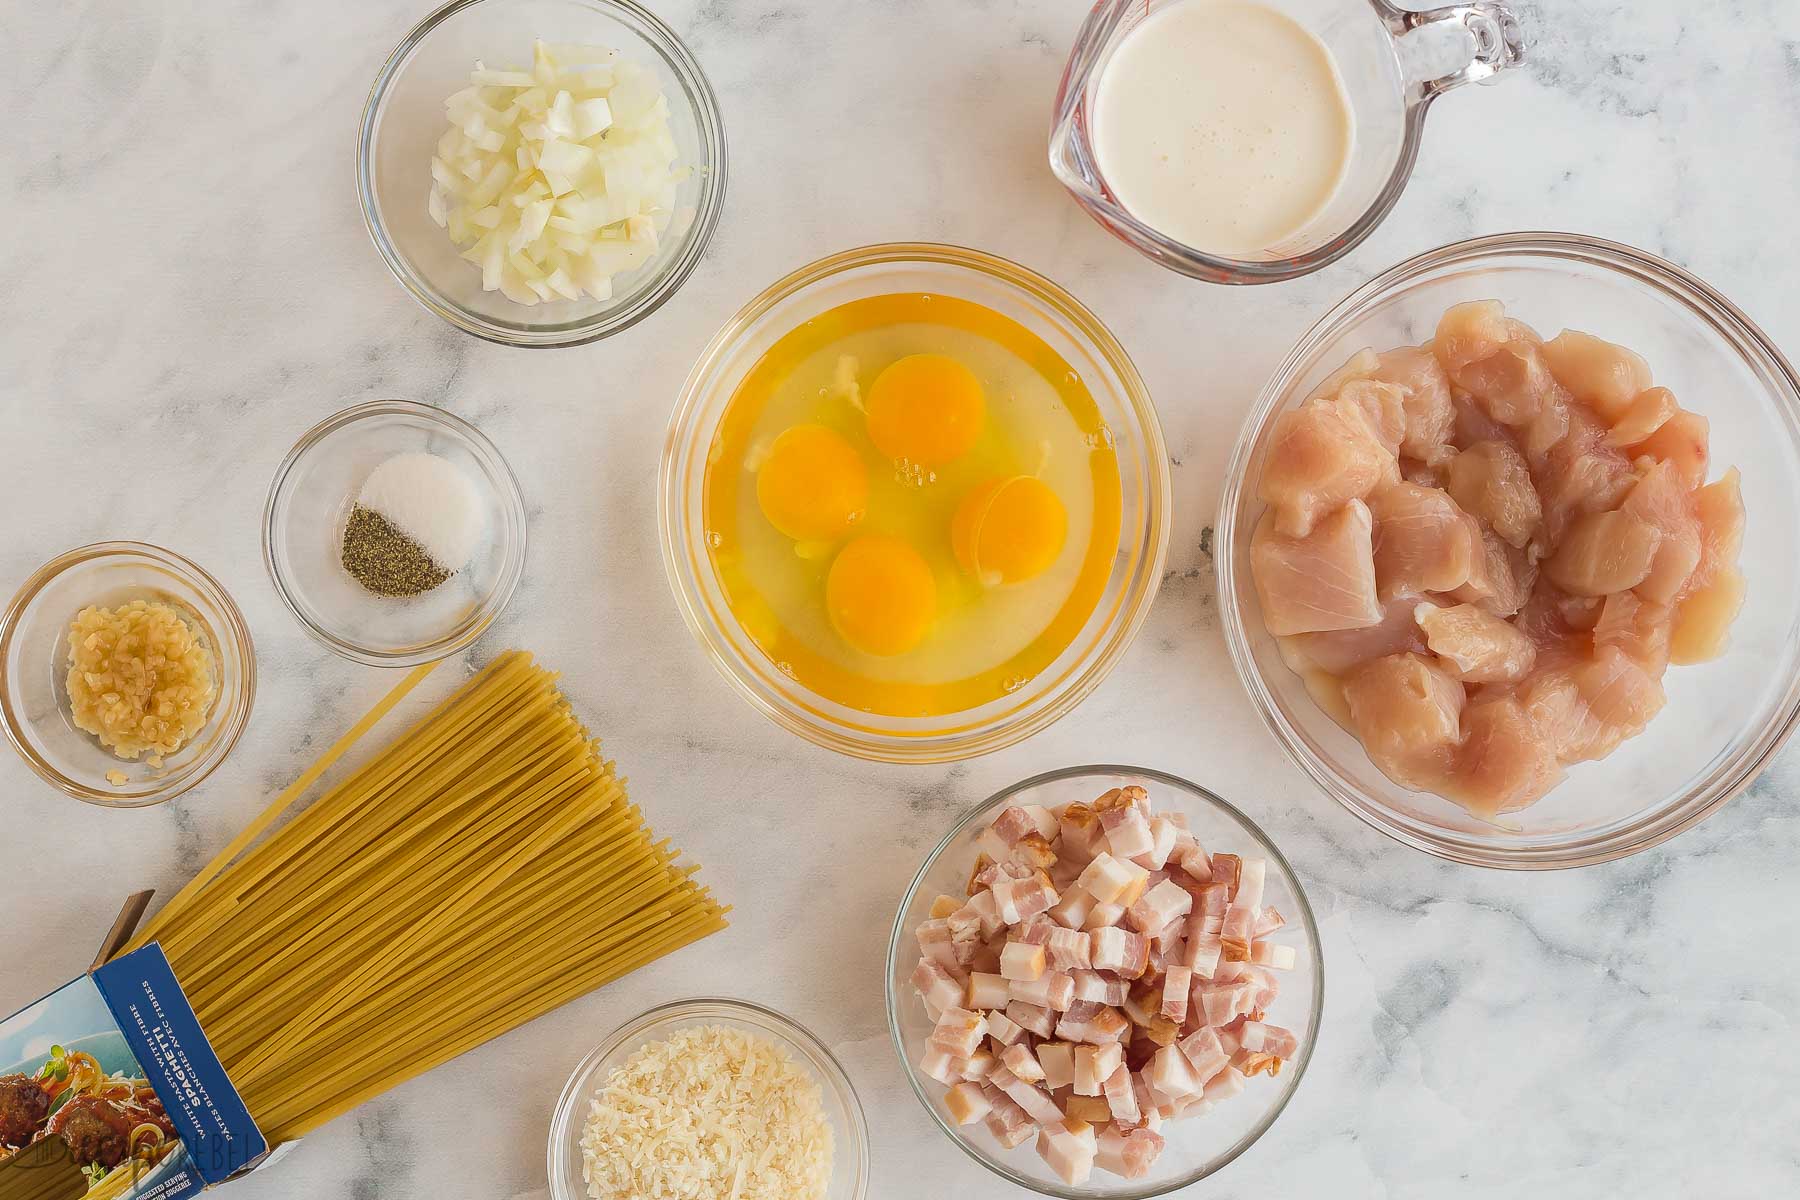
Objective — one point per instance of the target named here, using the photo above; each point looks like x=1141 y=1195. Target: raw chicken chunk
x=1681 y=441
x=1470 y=332
x=1474 y=645
x=1407 y=711
x=1491 y=480
x=1319 y=582
x=1660 y=498
x=1506 y=761
x=1322 y=455
x=1338 y=650
x=1605 y=377
x=1716 y=590
x=1383 y=406
x=1579 y=474
x=1423 y=542
x=1639 y=628
x=1500 y=579
x=1605 y=552
x=1643 y=416
x=1425 y=391
x=1513 y=384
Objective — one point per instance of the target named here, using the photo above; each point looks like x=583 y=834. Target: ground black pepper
x=384 y=560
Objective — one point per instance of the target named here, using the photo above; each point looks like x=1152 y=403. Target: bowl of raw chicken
x=1508 y=556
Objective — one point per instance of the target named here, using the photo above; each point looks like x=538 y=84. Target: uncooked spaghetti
x=483 y=869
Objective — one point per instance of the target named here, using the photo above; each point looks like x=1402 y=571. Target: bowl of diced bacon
x=1105 y=981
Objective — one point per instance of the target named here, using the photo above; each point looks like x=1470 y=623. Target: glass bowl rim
x=564 y=1117
x=510 y=495
x=707 y=117
x=1314 y=951
x=236 y=629
x=1138 y=592
x=1620 y=261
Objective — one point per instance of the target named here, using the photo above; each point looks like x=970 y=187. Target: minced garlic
x=139 y=678
x=713 y=1113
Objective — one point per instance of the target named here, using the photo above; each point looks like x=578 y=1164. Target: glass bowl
x=310 y=500
x=1724 y=719
x=404 y=118
x=849 y=1131
x=1196 y=1147
x=34 y=650
x=1124 y=403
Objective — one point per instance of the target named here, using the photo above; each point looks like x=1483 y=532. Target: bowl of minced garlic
x=704 y=1100
x=126 y=673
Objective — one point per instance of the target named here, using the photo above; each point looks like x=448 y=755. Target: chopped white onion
x=556 y=179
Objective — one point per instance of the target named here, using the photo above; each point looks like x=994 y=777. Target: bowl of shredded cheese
x=709 y=1098
x=126 y=673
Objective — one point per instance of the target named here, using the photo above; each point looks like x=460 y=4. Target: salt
x=431 y=501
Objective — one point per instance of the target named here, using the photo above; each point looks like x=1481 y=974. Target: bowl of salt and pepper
x=395 y=532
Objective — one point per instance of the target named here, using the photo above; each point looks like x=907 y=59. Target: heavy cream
x=1223 y=125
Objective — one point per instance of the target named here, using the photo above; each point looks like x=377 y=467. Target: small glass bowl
x=404 y=118
x=34 y=656
x=849 y=1130
x=1724 y=719
x=310 y=500
x=1124 y=403
x=1196 y=1147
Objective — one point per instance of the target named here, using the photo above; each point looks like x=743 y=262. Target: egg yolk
x=925 y=409
x=1008 y=530
x=814 y=485
x=880 y=595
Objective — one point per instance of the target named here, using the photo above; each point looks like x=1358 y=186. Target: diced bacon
x=1069 y=1148
x=1031 y=851
x=1273 y=954
x=1120 y=798
x=1236 y=934
x=943 y=906
x=1070 y=949
x=1146 y=1098
x=1255 y=1062
x=1225 y=869
x=1109 y=1149
x=1142 y=1005
x=1250 y=884
x=1034 y=932
x=1053 y=990
x=1128 y=1154
x=1121 y=1099
x=1091 y=1109
x=1079 y=832
x=1176 y=983
x=996 y=872
x=966 y=1103
x=981 y=909
x=1058 y=1062
x=1073 y=909
x=1224 y=1085
x=1093 y=1065
x=1113 y=880
x=1120 y=951
x=1022 y=1063
x=1195 y=861
x=941 y=1065
x=1010 y=1124
x=1163 y=835
x=1022 y=960
x=1003 y=1029
x=1013 y=823
x=1189 y=1106
x=1020 y=899
x=1267 y=922
x=1157 y=907
x=1127 y=833
x=987 y=991
x=1027 y=1096
x=1102 y=916
x=1269 y=1039
x=1214 y=899
x=959 y=1032
x=937 y=944
x=1043 y=820
x=1231 y=972
x=1228 y=1037
x=1090 y=987
x=937 y=986
x=1221 y=1002
x=1204 y=1052
x=1203 y=952
x=1172 y=1075
x=991 y=847
x=979 y=1064
x=1032 y=1018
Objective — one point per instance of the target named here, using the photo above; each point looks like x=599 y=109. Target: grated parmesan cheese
x=713 y=1113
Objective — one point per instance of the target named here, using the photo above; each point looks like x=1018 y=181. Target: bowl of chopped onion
x=541 y=172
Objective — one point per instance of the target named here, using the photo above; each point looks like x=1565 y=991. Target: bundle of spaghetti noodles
x=483 y=869
x=42 y=1171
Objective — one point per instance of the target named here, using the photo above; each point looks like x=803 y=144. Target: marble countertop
x=186 y=284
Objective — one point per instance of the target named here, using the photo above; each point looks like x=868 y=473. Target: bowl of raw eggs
x=914 y=502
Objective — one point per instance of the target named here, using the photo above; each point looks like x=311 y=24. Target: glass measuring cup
x=1388 y=80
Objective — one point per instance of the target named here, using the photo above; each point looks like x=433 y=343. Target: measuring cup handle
x=1499 y=40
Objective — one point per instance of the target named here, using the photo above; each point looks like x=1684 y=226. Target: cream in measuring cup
x=1223 y=125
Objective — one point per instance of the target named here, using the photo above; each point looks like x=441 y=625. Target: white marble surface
x=185 y=280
